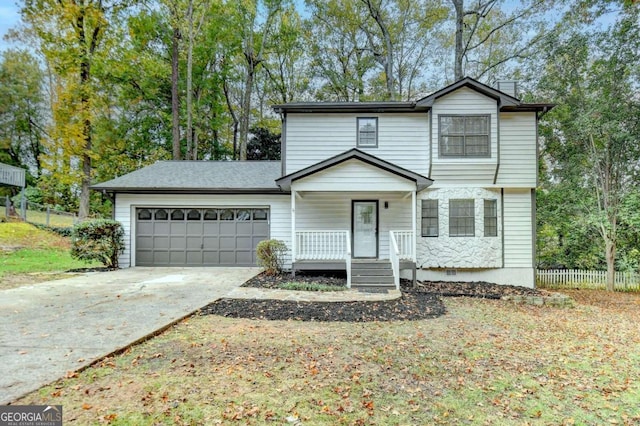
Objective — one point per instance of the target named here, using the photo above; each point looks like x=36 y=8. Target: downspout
x=283 y=144
x=495 y=177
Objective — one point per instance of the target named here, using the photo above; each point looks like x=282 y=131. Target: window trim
x=472 y=217
x=358 y=144
x=423 y=217
x=464 y=136
x=494 y=218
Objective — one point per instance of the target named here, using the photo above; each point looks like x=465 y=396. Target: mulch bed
x=422 y=302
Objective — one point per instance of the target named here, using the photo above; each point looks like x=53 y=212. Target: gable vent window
x=367 y=132
x=464 y=136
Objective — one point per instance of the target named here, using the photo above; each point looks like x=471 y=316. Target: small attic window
x=367 y=132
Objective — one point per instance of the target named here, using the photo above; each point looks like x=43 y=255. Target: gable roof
x=502 y=98
x=505 y=101
x=388 y=106
x=422 y=182
x=199 y=177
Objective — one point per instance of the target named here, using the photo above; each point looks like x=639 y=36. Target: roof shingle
x=199 y=176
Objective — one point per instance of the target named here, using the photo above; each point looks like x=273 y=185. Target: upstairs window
x=464 y=136
x=367 y=132
x=461 y=218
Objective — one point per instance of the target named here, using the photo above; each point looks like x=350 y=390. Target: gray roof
x=505 y=101
x=422 y=182
x=199 y=177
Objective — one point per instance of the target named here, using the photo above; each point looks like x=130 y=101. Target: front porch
x=332 y=251
x=354 y=212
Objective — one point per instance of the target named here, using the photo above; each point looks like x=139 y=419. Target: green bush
x=64 y=231
x=270 y=255
x=99 y=239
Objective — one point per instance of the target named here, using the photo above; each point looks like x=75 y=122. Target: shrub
x=99 y=239
x=64 y=231
x=270 y=255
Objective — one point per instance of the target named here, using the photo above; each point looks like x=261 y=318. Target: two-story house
x=442 y=188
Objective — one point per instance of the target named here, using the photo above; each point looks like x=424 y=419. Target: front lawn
x=483 y=362
x=29 y=255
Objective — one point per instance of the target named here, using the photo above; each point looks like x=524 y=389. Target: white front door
x=365 y=229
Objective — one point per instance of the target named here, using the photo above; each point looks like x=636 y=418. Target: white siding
x=353 y=175
x=331 y=211
x=518 y=228
x=403 y=139
x=279 y=206
x=518 y=162
x=444 y=171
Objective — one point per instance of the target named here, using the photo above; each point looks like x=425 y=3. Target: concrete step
x=371 y=265
x=368 y=279
x=372 y=272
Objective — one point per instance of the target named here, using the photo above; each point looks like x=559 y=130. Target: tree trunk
x=459 y=54
x=246 y=110
x=175 y=102
x=190 y=84
x=374 y=11
x=85 y=80
x=610 y=248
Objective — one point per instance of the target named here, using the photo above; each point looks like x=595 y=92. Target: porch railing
x=394 y=257
x=324 y=245
x=404 y=240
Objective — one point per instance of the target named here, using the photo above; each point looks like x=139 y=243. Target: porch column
x=414 y=220
x=293 y=227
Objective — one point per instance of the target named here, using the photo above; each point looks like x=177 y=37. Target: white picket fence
x=577 y=278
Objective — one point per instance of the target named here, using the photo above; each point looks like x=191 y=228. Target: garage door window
x=177 y=215
x=161 y=215
x=226 y=214
x=144 y=214
x=259 y=214
x=193 y=214
x=210 y=214
x=243 y=215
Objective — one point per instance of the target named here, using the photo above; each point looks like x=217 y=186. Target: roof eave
x=161 y=190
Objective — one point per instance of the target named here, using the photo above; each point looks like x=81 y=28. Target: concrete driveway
x=51 y=328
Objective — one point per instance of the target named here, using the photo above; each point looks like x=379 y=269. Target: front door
x=365 y=229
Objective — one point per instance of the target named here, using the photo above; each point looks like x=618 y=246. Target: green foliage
x=270 y=255
x=100 y=239
x=63 y=231
x=302 y=286
x=263 y=145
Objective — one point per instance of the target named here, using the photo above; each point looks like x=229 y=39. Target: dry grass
x=485 y=362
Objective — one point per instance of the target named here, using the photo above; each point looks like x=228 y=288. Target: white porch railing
x=404 y=240
x=394 y=257
x=324 y=245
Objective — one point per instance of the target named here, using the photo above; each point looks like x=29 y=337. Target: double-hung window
x=461 y=218
x=367 y=132
x=464 y=136
x=490 y=218
x=429 y=218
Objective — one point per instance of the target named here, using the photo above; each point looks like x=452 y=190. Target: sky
x=9 y=18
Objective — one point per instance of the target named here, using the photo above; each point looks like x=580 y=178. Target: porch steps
x=371 y=274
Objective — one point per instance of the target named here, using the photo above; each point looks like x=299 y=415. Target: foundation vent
x=451 y=272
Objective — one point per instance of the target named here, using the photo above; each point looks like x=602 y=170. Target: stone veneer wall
x=460 y=252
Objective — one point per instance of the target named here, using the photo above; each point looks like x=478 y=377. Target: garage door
x=199 y=236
